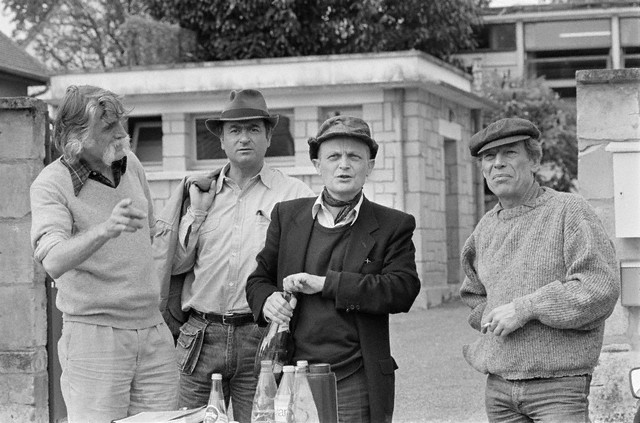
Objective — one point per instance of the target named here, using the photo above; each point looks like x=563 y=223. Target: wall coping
x=607 y=76
x=11 y=103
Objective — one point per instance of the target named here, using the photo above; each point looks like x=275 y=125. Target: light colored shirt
x=325 y=218
x=221 y=246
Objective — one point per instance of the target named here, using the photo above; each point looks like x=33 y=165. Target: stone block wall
x=23 y=333
x=608 y=106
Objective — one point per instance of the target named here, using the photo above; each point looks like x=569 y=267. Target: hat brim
x=502 y=141
x=215 y=123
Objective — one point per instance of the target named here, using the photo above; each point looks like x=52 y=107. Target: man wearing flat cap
x=541 y=278
x=350 y=263
x=218 y=240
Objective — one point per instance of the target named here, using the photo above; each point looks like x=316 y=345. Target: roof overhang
x=385 y=70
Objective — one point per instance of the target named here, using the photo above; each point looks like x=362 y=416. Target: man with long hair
x=92 y=223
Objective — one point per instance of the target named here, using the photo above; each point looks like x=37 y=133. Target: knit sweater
x=552 y=258
x=117 y=286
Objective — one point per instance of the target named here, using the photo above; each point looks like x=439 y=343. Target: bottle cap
x=266 y=364
x=304 y=363
x=216 y=376
x=289 y=369
x=320 y=368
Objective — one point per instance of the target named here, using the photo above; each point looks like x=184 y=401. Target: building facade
x=421 y=111
x=18 y=70
x=555 y=40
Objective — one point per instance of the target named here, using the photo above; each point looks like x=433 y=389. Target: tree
x=556 y=119
x=244 y=29
x=80 y=34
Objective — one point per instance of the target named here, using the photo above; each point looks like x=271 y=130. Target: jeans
x=110 y=373
x=561 y=399
x=353 y=398
x=204 y=348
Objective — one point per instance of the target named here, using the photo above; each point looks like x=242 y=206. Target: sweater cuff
x=330 y=289
x=524 y=310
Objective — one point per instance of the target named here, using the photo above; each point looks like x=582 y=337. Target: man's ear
x=370 y=165
x=316 y=163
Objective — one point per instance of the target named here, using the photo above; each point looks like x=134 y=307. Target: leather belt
x=238 y=319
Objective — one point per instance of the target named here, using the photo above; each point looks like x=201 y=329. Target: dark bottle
x=216 y=411
x=263 y=410
x=274 y=345
x=324 y=388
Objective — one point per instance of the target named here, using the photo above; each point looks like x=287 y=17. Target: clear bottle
x=216 y=411
x=284 y=397
x=304 y=407
x=263 y=401
x=274 y=345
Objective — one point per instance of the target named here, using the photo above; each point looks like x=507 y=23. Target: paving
x=434 y=383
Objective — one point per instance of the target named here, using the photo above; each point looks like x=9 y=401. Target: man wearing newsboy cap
x=541 y=279
x=218 y=239
x=350 y=263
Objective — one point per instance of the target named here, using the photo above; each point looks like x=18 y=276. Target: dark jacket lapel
x=361 y=241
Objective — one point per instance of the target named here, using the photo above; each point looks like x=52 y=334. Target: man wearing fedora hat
x=541 y=278
x=218 y=240
x=350 y=263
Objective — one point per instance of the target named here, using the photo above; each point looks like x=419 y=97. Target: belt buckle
x=225 y=317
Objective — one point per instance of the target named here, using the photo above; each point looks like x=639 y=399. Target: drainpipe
x=478 y=183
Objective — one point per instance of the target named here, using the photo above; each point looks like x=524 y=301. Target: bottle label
x=283 y=411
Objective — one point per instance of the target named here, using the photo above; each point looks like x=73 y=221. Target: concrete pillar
x=23 y=333
x=608 y=106
x=177 y=142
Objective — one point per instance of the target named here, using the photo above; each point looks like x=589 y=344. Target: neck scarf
x=345 y=206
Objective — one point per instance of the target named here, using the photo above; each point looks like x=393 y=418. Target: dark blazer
x=379 y=277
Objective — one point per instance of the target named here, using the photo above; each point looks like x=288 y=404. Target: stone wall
x=608 y=105
x=23 y=332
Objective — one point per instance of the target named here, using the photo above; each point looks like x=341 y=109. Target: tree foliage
x=80 y=34
x=556 y=119
x=244 y=29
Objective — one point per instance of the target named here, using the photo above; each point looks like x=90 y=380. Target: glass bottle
x=284 y=396
x=324 y=388
x=273 y=346
x=216 y=411
x=304 y=407
x=263 y=400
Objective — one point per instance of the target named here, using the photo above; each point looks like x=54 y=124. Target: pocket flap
x=387 y=366
x=188 y=334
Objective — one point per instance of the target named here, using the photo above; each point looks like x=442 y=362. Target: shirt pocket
x=210 y=224
x=261 y=224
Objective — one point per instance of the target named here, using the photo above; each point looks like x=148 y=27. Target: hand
x=124 y=218
x=304 y=283
x=277 y=309
x=501 y=321
x=201 y=200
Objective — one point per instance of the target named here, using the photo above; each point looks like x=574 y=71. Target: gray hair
x=81 y=106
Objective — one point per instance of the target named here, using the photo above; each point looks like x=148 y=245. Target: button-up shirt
x=325 y=218
x=221 y=245
x=80 y=172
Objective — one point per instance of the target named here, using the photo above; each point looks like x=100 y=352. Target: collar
x=319 y=205
x=80 y=171
x=530 y=197
x=265 y=175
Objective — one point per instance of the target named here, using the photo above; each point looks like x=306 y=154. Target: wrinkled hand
x=277 y=309
x=124 y=218
x=501 y=321
x=304 y=283
x=201 y=200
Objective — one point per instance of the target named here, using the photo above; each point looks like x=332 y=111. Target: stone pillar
x=23 y=332
x=177 y=144
x=608 y=106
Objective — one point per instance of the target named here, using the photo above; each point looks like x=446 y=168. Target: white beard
x=115 y=149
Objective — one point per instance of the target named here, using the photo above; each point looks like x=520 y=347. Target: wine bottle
x=273 y=346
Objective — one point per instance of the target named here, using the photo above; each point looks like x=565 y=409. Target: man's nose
x=344 y=162
x=499 y=160
x=121 y=133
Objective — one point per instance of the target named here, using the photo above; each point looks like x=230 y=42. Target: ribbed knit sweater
x=117 y=286
x=552 y=258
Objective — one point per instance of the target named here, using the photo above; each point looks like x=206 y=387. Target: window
x=563 y=64
x=631 y=57
x=208 y=145
x=146 y=138
x=497 y=37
